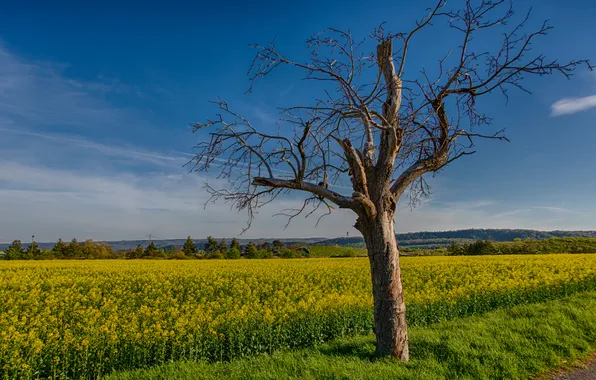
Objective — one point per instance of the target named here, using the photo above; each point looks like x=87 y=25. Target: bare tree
x=375 y=126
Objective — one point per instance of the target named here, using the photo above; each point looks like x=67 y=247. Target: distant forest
x=524 y=247
x=424 y=240
x=212 y=249
x=430 y=239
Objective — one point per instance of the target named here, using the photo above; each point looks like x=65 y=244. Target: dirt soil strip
x=582 y=369
x=587 y=373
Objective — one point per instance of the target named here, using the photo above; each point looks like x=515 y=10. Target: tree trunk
x=390 y=310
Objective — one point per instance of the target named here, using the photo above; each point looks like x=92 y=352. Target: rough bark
x=389 y=306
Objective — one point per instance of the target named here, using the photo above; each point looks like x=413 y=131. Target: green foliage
x=235 y=244
x=215 y=255
x=73 y=250
x=178 y=256
x=189 y=247
x=251 y=251
x=277 y=245
x=233 y=253
x=211 y=245
x=415 y=251
x=435 y=239
x=336 y=251
x=59 y=249
x=137 y=253
x=288 y=254
x=14 y=251
x=525 y=247
x=223 y=246
x=33 y=251
x=264 y=254
x=92 y=250
x=45 y=254
x=266 y=246
x=151 y=250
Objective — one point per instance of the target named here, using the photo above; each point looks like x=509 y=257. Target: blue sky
x=96 y=102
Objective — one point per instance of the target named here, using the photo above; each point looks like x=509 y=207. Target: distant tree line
x=61 y=250
x=499 y=235
x=212 y=249
x=221 y=250
x=444 y=238
x=524 y=247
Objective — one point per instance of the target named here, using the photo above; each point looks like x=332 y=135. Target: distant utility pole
x=150 y=237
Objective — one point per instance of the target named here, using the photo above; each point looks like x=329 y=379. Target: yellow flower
x=116 y=311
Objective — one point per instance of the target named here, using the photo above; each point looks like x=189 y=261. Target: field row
x=87 y=318
x=518 y=343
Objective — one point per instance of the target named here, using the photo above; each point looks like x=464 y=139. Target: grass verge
x=516 y=343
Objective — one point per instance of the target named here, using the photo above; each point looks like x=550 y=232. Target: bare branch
x=338 y=199
x=391 y=129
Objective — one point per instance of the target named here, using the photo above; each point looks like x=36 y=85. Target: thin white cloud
x=37 y=92
x=508 y=213
x=264 y=116
x=471 y=204
x=65 y=185
x=570 y=106
x=52 y=203
x=118 y=192
x=286 y=90
x=129 y=152
x=549 y=209
x=555 y=209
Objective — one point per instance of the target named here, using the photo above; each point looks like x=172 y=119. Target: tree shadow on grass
x=422 y=348
x=362 y=348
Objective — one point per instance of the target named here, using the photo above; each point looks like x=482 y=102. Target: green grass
x=516 y=343
x=336 y=251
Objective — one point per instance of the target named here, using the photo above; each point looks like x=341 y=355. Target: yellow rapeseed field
x=87 y=318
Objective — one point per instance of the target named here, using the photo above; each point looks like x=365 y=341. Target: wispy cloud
x=52 y=203
x=569 y=106
x=113 y=150
x=470 y=204
x=115 y=191
x=533 y=210
x=508 y=213
x=66 y=171
x=38 y=93
x=286 y=90
x=554 y=209
x=264 y=116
